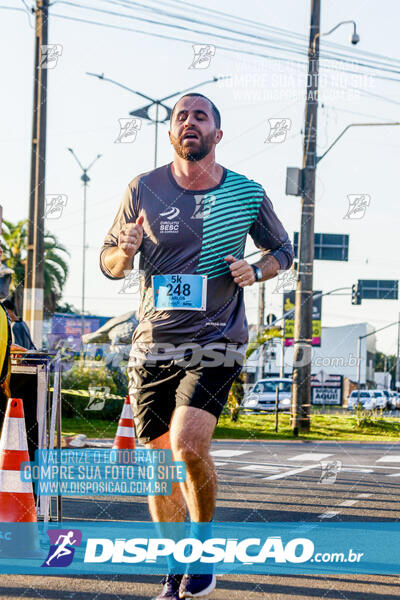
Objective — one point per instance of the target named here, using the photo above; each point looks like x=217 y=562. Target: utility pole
x=396 y=383
x=34 y=267
x=85 y=178
x=301 y=401
x=260 y=327
x=282 y=367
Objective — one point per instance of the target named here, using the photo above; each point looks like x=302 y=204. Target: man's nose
x=190 y=120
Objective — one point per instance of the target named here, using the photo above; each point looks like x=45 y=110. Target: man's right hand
x=130 y=237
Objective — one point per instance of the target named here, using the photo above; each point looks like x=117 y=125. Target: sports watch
x=257 y=272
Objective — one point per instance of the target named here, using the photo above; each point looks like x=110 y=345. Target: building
x=337 y=355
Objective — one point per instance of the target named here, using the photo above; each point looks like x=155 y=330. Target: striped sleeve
x=270 y=236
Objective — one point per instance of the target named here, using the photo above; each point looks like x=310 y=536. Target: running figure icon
x=62 y=550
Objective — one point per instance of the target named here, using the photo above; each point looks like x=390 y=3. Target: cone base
x=17 y=508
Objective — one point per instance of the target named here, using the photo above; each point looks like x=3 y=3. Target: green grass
x=262 y=427
x=323 y=427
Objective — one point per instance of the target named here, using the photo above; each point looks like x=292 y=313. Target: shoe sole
x=204 y=592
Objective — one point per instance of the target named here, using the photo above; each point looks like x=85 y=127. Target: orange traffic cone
x=16 y=497
x=125 y=437
x=17 y=503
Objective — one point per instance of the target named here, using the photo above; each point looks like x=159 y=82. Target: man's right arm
x=119 y=259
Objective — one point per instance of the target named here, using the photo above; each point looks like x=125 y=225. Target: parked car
x=394 y=399
x=362 y=397
x=381 y=400
x=262 y=395
x=391 y=400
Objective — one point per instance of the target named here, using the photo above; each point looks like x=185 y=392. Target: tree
x=13 y=242
x=66 y=307
x=390 y=364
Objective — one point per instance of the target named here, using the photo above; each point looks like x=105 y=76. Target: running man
x=189 y=220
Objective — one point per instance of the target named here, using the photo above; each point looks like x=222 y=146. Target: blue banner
x=154 y=548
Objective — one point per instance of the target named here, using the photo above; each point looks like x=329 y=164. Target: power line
x=379 y=67
x=248 y=52
x=226 y=48
x=278 y=30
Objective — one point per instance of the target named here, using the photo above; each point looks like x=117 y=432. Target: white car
x=394 y=399
x=363 y=397
x=262 y=395
x=381 y=400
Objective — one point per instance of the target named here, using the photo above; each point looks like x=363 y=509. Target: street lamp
x=304 y=291
x=143 y=112
x=85 y=178
x=354 y=38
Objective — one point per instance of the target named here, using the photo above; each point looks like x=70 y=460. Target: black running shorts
x=155 y=392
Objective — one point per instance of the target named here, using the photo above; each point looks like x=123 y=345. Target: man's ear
x=218 y=135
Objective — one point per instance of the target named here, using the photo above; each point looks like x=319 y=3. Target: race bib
x=180 y=292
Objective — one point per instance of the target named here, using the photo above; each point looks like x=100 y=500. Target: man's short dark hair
x=8 y=303
x=215 y=111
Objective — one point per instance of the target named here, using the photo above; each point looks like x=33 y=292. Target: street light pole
x=34 y=266
x=85 y=178
x=301 y=400
x=143 y=112
x=397 y=374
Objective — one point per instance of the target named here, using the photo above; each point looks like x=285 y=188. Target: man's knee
x=189 y=450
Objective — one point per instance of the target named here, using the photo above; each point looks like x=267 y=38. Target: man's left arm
x=271 y=238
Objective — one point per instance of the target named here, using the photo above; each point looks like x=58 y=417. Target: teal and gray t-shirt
x=191 y=232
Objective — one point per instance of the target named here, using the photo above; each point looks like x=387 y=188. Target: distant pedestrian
x=20 y=330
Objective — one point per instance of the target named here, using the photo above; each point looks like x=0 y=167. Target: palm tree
x=13 y=243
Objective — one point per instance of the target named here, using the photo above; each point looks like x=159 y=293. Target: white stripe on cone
x=13 y=436
x=127 y=412
x=10 y=481
x=125 y=432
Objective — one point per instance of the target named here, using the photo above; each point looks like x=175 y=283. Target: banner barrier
x=82 y=547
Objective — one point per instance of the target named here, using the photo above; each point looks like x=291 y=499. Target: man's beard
x=204 y=147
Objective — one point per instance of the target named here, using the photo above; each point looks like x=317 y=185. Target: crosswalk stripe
x=389 y=458
x=310 y=456
x=348 y=503
x=259 y=468
x=292 y=472
x=228 y=453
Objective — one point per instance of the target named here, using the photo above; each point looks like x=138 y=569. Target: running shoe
x=170 y=590
x=195 y=586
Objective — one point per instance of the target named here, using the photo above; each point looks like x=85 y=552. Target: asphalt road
x=258 y=481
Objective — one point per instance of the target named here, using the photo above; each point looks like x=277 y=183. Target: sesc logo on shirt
x=170 y=226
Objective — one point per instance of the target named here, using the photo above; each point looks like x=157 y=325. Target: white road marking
x=363 y=495
x=389 y=458
x=293 y=472
x=355 y=470
x=348 y=503
x=329 y=514
x=310 y=456
x=227 y=453
x=393 y=474
x=259 y=468
x=219 y=464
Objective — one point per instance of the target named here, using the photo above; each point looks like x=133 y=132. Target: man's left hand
x=241 y=271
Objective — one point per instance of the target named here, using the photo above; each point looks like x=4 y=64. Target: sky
x=84 y=112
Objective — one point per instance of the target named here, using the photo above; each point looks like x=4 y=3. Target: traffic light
x=355 y=294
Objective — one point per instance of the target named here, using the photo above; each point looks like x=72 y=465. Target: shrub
x=81 y=378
